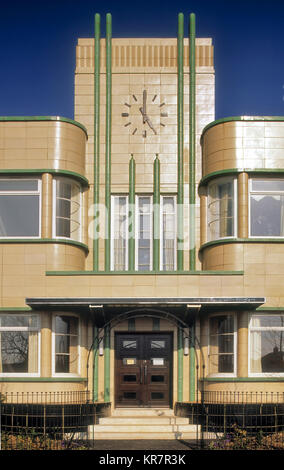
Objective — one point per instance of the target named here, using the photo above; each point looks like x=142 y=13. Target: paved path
x=144 y=445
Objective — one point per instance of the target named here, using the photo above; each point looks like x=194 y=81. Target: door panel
x=143 y=369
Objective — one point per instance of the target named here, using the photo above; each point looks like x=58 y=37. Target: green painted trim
x=180 y=169
x=156 y=201
x=131 y=240
x=241 y=118
x=156 y=324
x=107 y=364
x=180 y=364
x=243 y=379
x=272 y=309
x=43 y=379
x=192 y=137
x=143 y=273
x=16 y=309
x=43 y=118
x=95 y=365
x=192 y=364
x=41 y=171
x=236 y=171
x=131 y=324
x=225 y=241
x=96 y=139
x=44 y=240
x=108 y=139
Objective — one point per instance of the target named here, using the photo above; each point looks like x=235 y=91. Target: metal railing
x=237 y=420
x=49 y=420
x=65 y=420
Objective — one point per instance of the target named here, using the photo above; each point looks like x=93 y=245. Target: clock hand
x=144 y=104
x=150 y=124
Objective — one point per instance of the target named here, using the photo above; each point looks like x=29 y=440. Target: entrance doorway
x=143 y=370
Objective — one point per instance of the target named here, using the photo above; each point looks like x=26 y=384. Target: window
x=221 y=209
x=19 y=208
x=222 y=345
x=144 y=233
x=266 y=344
x=119 y=237
x=19 y=345
x=168 y=233
x=67 y=209
x=66 y=344
x=266 y=208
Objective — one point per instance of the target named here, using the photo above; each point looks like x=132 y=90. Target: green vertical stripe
x=156 y=231
x=192 y=256
x=180 y=364
x=192 y=364
x=96 y=138
x=108 y=140
x=95 y=366
x=131 y=241
x=180 y=196
x=107 y=364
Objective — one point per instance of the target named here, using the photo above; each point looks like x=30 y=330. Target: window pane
x=221 y=210
x=268 y=185
x=19 y=216
x=19 y=352
x=267 y=355
x=18 y=185
x=18 y=321
x=267 y=215
x=221 y=350
x=68 y=210
x=119 y=233
x=66 y=344
x=267 y=321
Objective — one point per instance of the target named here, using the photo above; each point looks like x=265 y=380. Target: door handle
x=141 y=374
x=145 y=375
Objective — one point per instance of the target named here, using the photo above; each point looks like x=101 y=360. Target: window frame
x=137 y=225
x=53 y=361
x=263 y=192
x=223 y=180
x=261 y=328
x=36 y=328
x=162 y=232
x=37 y=192
x=235 y=340
x=54 y=213
x=113 y=198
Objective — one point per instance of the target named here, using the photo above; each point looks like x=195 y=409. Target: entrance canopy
x=183 y=309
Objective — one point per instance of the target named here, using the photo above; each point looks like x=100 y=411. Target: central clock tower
x=144 y=104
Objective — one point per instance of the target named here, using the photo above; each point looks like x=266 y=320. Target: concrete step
x=128 y=420
x=143 y=412
x=146 y=428
x=140 y=436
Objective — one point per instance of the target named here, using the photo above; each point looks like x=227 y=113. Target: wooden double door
x=143 y=369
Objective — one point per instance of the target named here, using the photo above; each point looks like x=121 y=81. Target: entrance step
x=158 y=424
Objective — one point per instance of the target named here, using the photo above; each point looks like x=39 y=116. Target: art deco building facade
x=142 y=244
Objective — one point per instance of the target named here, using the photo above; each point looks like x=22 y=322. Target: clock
x=144 y=124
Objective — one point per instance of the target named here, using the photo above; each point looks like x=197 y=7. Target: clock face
x=145 y=117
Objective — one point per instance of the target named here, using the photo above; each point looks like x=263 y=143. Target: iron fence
x=237 y=420
x=49 y=420
x=65 y=420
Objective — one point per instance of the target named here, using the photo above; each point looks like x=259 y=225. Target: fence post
x=225 y=420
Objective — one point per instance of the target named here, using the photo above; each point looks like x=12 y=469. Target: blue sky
x=38 y=42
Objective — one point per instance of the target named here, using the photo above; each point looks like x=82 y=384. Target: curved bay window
x=267 y=208
x=266 y=344
x=221 y=209
x=222 y=344
x=68 y=201
x=66 y=345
